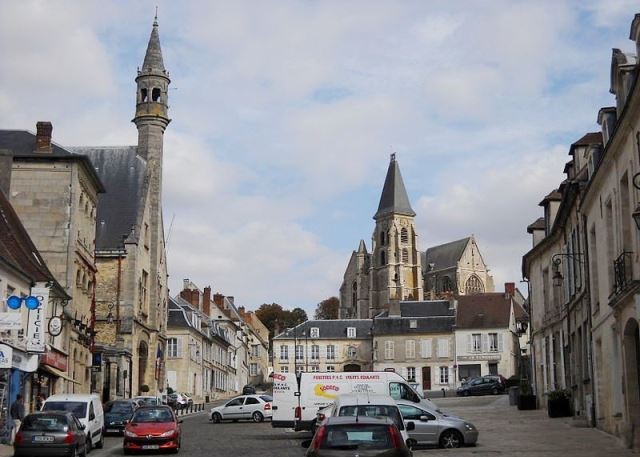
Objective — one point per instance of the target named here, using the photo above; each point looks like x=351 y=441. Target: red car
x=152 y=428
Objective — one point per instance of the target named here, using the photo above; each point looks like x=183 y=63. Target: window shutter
x=451 y=380
x=500 y=344
x=443 y=345
x=425 y=349
x=435 y=347
x=469 y=344
x=179 y=346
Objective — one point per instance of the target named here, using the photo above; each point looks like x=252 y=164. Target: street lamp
x=557 y=261
x=110 y=314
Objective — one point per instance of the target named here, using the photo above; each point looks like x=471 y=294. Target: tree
x=328 y=309
x=277 y=319
x=295 y=317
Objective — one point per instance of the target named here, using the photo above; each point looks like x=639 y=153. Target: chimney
x=509 y=289
x=43 y=136
x=394 y=308
x=186 y=295
x=6 y=162
x=218 y=299
x=195 y=298
x=185 y=284
x=206 y=301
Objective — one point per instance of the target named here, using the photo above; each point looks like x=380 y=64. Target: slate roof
x=177 y=317
x=553 y=195
x=426 y=308
x=22 y=144
x=445 y=255
x=537 y=225
x=330 y=329
x=402 y=325
x=153 y=57
x=488 y=310
x=123 y=173
x=394 y=199
x=18 y=250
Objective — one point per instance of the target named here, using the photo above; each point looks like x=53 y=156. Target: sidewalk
x=504 y=430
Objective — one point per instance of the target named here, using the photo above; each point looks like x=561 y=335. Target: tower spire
x=394 y=199
x=153 y=58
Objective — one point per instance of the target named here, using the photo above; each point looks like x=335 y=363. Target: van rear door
x=285 y=400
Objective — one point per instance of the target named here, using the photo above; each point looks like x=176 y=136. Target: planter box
x=559 y=408
x=526 y=402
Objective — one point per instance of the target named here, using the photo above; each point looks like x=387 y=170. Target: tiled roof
x=589 y=138
x=488 y=310
x=537 y=225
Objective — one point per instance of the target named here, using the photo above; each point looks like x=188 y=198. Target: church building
x=396 y=270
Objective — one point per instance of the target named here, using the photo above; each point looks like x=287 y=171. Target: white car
x=245 y=407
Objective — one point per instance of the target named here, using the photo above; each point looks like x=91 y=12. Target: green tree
x=327 y=309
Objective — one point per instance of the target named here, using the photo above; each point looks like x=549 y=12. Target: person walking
x=17 y=414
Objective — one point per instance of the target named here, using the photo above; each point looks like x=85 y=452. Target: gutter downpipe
x=593 y=422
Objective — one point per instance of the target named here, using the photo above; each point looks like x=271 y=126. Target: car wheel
x=216 y=418
x=314 y=427
x=466 y=393
x=85 y=448
x=450 y=439
x=411 y=443
x=100 y=444
x=257 y=416
x=495 y=391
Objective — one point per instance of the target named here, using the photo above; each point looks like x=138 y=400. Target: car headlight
x=168 y=433
x=130 y=434
x=469 y=427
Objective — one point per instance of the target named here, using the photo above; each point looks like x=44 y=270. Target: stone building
x=396 y=269
x=132 y=293
x=55 y=194
x=324 y=345
x=416 y=340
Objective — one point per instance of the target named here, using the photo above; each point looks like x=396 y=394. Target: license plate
x=113 y=430
x=42 y=439
x=150 y=446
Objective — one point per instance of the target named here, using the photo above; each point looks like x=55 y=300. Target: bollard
x=444 y=393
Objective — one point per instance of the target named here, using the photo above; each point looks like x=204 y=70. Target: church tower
x=395 y=271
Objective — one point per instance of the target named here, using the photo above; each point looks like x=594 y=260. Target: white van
x=87 y=408
x=296 y=400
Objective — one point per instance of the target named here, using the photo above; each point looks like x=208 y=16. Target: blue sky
x=285 y=113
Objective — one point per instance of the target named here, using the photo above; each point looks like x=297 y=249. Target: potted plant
x=526 y=399
x=559 y=403
x=144 y=388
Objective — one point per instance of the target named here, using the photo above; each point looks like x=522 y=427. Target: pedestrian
x=39 y=401
x=17 y=414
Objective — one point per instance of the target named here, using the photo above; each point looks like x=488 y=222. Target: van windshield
x=77 y=408
x=374 y=411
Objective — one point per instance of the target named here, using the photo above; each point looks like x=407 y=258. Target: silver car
x=247 y=407
x=434 y=428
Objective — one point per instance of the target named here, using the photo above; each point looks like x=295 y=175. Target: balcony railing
x=622 y=272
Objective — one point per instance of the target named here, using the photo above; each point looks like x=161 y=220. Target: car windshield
x=152 y=415
x=266 y=398
x=118 y=407
x=357 y=436
x=45 y=423
x=147 y=401
x=77 y=408
x=374 y=411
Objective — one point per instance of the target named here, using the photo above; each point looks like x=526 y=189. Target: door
x=493 y=368
x=233 y=409
x=426 y=431
x=251 y=405
x=426 y=378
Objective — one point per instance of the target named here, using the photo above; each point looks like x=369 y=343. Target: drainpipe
x=590 y=333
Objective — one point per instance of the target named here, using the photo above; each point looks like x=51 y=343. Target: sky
x=284 y=114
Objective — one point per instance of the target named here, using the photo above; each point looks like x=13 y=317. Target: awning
x=58 y=373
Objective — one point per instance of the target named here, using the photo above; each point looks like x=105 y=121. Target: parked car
x=147 y=400
x=116 y=415
x=434 y=428
x=87 y=408
x=187 y=398
x=248 y=390
x=481 y=386
x=152 y=428
x=48 y=433
x=177 y=400
x=348 y=436
x=247 y=407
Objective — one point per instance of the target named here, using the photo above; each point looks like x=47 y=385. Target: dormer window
x=314 y=332
x=351 y=332
x=413 y=323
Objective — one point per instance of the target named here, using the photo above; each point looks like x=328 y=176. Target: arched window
x=447 y=285
x=143 y=95
x=383 y=258
x=354 y=294
x=382 y=240
x=155 y=94
x=404 y=235
x=474 y=286
x=405 y=256
x=79 y=277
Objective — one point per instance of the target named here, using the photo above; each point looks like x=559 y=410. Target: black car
x=116 y=415
x=48 y=433
x=248 y=390
x=481 y=386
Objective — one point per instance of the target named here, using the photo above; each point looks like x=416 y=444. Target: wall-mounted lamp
x=557 y=260
x=110 y=314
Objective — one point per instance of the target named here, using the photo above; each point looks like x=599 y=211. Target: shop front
x=51 y=376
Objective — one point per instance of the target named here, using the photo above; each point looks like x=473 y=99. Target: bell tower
x=395 y=270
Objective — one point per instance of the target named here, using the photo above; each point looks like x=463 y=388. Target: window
x=255 y=350
x=425 y=349
x=389 y=350
x=314 y=332
x=315 y=352
x=314 y=368
x=405 y=256
x=146 y=236
x=299 y=352
x=331 y=352
x=284 y=369
x=331 y=368
x=144 y=287
x=413 y=413
x=383 y=258
x=411 y=374
x=299 y=369
x=410 y=349
x=155 y=94
x=143 y=94
x=284 y=352
x=474 y=286
x=444 y=375
x=493 y=342
x=404 y=235
x=352 y=352
x=413 y=323
x=381 y=238
x=251 y=401
x=173 y=347
x=476 y=344
x=253 y=369
x=351 y=332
